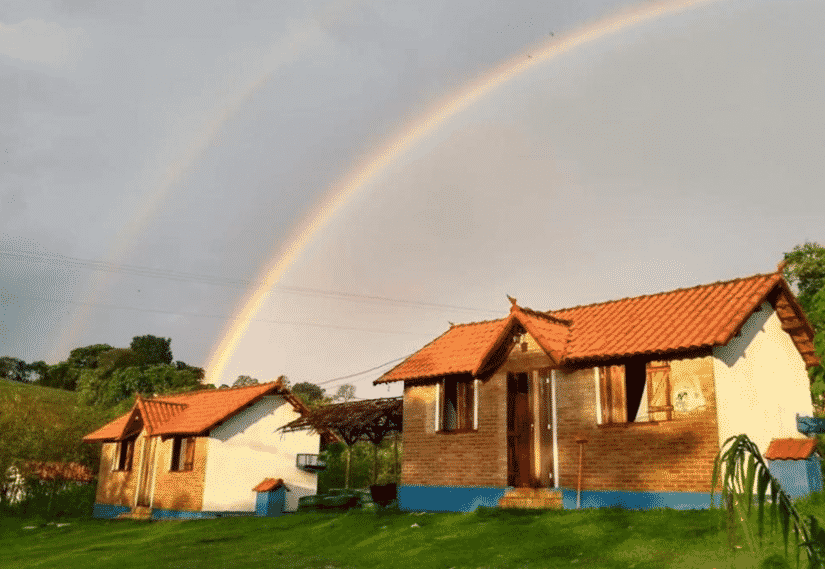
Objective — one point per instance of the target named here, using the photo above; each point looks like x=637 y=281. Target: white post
x=437 y=422
x=555 y=429
x=475 y=404
x=598 y=396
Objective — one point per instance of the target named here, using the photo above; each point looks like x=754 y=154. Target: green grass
x=609 y=538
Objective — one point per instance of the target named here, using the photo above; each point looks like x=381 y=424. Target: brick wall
x=674 y=456
x=179 y=490
x=455 y=459
x=117 y=487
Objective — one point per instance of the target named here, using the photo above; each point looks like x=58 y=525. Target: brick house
x=201 y=454
x=654 y=385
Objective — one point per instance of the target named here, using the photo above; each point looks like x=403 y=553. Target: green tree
x=62 y=375
x=245 y=380
x=87 y=356
x=805 y=270
x=13 y=369
x=309 y=393
x=37 y=371
x=199 y=372
x=152 y=350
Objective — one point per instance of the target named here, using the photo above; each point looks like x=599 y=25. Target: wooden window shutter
x=659 y=406
x=189 y=456
x=611 y=381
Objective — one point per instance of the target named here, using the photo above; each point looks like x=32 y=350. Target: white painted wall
x=248 y=448
x=761 y=382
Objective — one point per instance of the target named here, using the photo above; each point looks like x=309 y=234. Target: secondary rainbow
x=407 y=137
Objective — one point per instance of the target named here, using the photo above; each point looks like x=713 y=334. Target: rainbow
x=411 y=134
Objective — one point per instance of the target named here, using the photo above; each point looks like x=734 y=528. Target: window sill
x=456 y=432
x=122 y=471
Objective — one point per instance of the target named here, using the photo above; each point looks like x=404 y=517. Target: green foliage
x=45 y=424
x=152 y=350
x=52 y=499
x=361 y=474
x=61 y=376
x=805 y=270
x=13 y=369
x=345 y=392
x=309 y=393
x=199 y=372
x=245 y=380
x=87 y=356
x=745 y=478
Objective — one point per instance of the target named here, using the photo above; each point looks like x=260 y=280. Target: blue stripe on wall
x=637 y=500
x=109 y=511
x=448 y=498
x=468 y=498
x=158 y=514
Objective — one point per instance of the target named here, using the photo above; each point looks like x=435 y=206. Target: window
x=183 y=454
x=636 y=392
x=456 y=405
x=124 y=450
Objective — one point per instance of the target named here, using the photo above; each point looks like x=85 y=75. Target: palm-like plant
x=744 y=472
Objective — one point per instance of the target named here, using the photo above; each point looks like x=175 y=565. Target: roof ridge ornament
x=780 y=267
x=513 y=301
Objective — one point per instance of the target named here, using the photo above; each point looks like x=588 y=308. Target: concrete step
x=532 y=498
x=138 y=513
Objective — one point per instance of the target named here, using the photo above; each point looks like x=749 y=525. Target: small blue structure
x=796 y=464
x=810 y=425
x=271 y=497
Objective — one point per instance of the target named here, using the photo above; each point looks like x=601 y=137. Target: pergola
x=368 y=420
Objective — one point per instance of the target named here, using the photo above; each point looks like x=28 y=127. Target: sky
x=317 y=189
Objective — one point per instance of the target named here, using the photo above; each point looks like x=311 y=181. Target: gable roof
x=790 y=449
x=656 y=325
x=192 y=413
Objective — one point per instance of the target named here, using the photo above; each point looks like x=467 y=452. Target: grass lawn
x=364 y=539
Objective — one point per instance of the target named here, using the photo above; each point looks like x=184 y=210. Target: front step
x=532 y=498
x=137 y=513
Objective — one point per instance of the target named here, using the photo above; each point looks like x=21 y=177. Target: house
x=202 y=454
x=645 y=388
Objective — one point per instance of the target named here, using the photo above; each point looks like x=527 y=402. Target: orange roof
x=656 y=325
x=190 y=413
x=468 y=348
x=790 y=449
x=269 y=484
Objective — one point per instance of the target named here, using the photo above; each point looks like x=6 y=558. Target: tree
x=199 y=372
x=62 y=376
x=37 y=371
x=13 y=369
x=245 y=380
x=309 y=393
x=87 y=356
x=805 y=270
x=152 y=350
x=345 y=392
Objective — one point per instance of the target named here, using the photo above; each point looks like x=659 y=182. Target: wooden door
x=519 y=426
x=144 y=485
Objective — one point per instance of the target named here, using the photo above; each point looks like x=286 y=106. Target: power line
x=181 y=276
x=223 y=317
x=363 y=372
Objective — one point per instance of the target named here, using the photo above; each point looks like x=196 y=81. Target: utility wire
x=181 y=276
x=363 y=372
x=222 y=317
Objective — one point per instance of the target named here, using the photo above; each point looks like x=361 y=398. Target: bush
x=51 y=499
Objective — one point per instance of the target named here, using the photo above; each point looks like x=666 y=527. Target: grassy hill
x=44 y=423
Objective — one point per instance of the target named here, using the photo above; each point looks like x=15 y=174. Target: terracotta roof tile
x=268 y=485
x=790 y=449
x=699 y=317
x=190 y=413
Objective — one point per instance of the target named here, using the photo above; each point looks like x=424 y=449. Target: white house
x=201 y=454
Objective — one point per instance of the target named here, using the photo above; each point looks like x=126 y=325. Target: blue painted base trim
x=108 y=511
x=448 y=498
x=637 y=500
x=159 y=514
x=468 y=498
